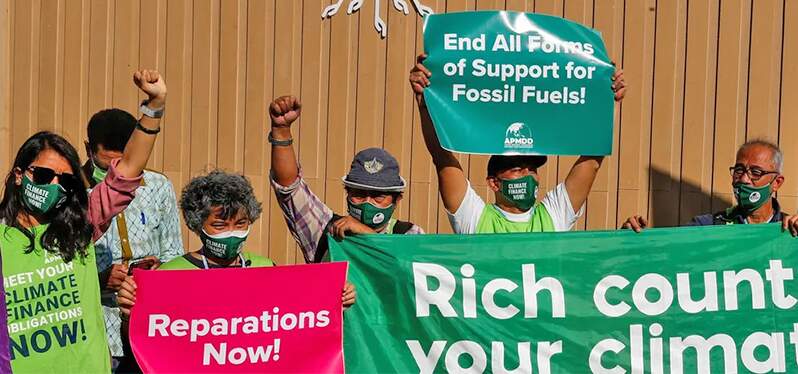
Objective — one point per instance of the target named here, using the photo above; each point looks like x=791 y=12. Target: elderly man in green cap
x=373 y=189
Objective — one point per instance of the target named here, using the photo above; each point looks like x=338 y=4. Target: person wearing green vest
x=512 y=179
x=48 y=223
x=220 y=209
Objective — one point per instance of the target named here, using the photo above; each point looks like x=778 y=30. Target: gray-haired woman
x=219 y=208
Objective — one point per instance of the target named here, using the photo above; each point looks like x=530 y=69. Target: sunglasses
x=44 y=175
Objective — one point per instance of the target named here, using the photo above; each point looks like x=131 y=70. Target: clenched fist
x=284 y=110
x=151 y=83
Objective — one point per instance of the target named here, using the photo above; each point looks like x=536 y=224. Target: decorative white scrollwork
x=379 y=23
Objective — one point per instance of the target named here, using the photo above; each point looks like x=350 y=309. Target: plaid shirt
x=307 y=217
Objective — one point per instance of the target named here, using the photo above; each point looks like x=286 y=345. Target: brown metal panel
x=50 y=90
x=232 y=73
x=24 y=78
x=521 y=5
x=551 y=7
x=666 y=128
x=580 y=11
x=315 y=95
x=287 y=69
x=601 y=207
x=399 y=100
x=75 y=72
x=699 y=108
x=204 y=87
x=176 y=124
x=5 y=84
x=635 y=127
x=343 y=70
x=424 y=201
x=260 y=70
x=370 y=79
x=765 y=55
x=788 y=122
x=125 y=55
x=101 y=47
x=732 y=95
x=152 y=55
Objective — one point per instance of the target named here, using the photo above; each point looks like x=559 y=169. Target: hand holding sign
x=419 y=79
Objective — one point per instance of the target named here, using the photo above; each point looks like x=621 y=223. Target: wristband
x=283 y=143
x=149 y=112
x=146 y=130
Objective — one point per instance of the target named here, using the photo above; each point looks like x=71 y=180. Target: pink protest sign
x=277 y=319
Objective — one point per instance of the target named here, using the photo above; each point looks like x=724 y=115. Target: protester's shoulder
x=258 y=261
x=709 y=219
x=177 y=263
x=152 y=177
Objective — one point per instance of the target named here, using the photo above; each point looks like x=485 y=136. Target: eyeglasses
x=359 y=196
x=45 y=175
x=753 y=173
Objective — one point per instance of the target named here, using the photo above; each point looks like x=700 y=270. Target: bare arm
x=138 y=148
x=582 y=175
x=580 y=179
x=452 y=181
x=283 y=111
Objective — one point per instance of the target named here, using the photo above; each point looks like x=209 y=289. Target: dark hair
x=112 y=128
x=231 y=192
x=70 y=231
x=500 y=163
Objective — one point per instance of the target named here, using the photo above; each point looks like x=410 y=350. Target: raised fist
x=151 y=83
x=284 y=110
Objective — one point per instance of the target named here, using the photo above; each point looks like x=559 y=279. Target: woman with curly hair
x=48 y=223
x=220 y=209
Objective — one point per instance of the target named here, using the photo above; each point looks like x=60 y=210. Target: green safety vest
x=492 y=221
x=181 y=263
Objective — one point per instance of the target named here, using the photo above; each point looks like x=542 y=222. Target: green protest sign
x=518 y=83
x=683 y=300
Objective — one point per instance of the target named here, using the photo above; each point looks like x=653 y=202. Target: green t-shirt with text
x=55 y=323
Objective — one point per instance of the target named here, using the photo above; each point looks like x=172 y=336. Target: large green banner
x=683 y=300
x=518 y=83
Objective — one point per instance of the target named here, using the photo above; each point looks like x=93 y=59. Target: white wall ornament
x=379 y=24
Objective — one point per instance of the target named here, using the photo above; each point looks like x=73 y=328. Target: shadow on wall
x=674 y=202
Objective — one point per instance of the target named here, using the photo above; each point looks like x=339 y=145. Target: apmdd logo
x=518 y=135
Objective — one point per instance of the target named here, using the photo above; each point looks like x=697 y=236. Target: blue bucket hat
x=374 y=169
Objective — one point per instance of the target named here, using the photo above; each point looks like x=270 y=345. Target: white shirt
x=556 y=201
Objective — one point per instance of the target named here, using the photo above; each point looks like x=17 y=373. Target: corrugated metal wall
x=705 y=75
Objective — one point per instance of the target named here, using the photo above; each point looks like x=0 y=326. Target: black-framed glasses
x=753 y=173
x=45 y=175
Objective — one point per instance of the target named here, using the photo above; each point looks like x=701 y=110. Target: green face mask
x=98 y=174
x=41 y=198
x=520 y=191
x=226 y=245
x=750 y=198
x=369 y=214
